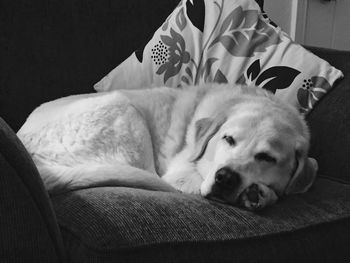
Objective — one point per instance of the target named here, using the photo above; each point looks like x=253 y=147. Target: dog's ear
x=305 y=172
x=205 y=129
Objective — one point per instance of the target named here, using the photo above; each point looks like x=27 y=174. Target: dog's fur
x=186 y=136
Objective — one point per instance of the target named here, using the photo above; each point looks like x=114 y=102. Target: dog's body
x=129 y=137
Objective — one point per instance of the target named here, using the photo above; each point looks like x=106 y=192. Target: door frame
x=299 y=10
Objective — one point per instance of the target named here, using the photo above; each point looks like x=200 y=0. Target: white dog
x=235 y=144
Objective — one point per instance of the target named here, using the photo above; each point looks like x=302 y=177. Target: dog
x=230 y=143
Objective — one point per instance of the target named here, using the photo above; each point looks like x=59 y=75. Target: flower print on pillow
x=171 y=54
x=240 y=32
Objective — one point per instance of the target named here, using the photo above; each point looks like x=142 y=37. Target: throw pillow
x=225 y=41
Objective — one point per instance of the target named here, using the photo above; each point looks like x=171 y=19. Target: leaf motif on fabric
x=179 y=40
x=139 y=54
x=312 y=90
x=167 y=40
x=176 y=54
x=196 y=13
x=239 y=19
x=162 y=69
x=185 y=80
x=181 y=19
x=277 y=78
x=244 y=32
x=232 y=20
x=303 y=98
x=166 y=24
x=189 y=73
x=242 y=80
x=253 y=70
x=220 y=77
x=321 y=83
x=206 y=69
x=266 y=36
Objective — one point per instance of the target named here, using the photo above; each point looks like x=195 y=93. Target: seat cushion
x=132 y=225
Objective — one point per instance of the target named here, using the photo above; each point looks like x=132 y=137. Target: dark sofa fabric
x=28 y=226
x=330 y=122
x=130 y=225
x=55 y=48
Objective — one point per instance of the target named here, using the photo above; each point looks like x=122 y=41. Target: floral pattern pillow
x=225 y=41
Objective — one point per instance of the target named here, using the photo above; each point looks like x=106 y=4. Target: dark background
x=54 y=48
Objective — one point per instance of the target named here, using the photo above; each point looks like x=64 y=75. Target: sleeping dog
x=231 y=143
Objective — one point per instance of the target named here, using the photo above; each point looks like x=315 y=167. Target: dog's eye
x=229 y=140
x=265 y=157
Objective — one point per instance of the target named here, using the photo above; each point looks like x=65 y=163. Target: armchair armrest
x=28 y=227
x=329 y=121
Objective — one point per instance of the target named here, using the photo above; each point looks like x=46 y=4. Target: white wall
x=280 y=11
x=313 y=22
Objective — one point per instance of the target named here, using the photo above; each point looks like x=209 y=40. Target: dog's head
x=253 y=152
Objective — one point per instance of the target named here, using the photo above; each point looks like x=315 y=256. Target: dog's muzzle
x=227 y=179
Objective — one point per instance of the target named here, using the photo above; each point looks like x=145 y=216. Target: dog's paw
x=258 y=196
x=184 y=182
x=190 y=188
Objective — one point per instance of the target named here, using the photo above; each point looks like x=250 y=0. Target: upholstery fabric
x=125 y=224
x=330 y=122
x=28 y=227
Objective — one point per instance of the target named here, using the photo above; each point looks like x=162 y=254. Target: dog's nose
x=227 y=178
